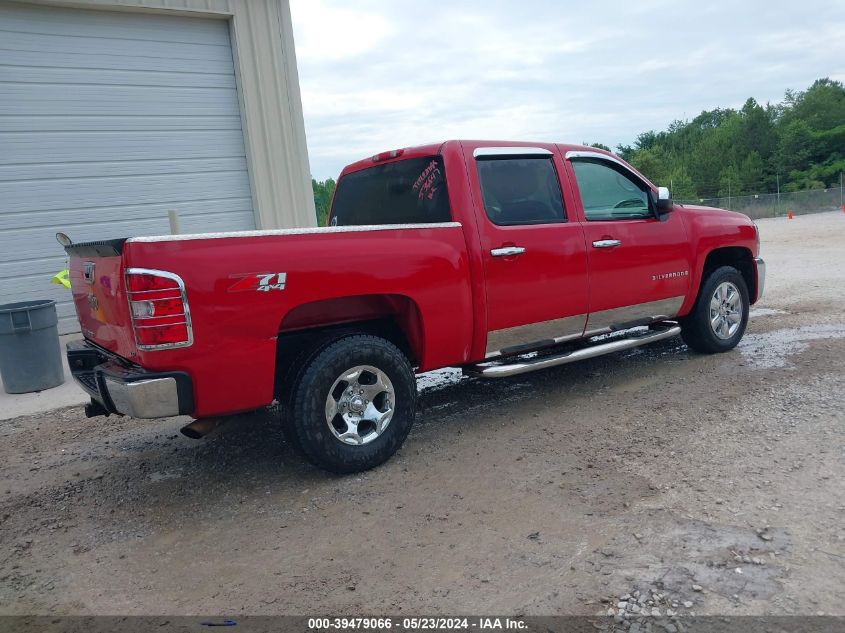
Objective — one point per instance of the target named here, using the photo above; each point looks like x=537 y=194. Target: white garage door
x=107 y=121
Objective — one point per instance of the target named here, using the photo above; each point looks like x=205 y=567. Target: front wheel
x=718 y=318
x=353 y=403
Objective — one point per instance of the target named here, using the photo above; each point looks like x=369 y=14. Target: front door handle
x=606 y=243
x=507 y=251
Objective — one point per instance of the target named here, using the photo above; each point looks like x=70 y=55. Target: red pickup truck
x=496 y=257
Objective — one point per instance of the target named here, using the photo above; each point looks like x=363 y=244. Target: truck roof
x=430 y=149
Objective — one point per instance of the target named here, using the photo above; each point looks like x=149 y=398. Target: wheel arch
x=739 y=257
x=396 y=318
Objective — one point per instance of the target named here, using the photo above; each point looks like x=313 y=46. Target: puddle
x=761 y=312
x=771 y=349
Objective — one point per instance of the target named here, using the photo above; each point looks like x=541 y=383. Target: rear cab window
x=410 y=191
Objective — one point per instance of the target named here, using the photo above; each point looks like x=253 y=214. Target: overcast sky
x=377 y=75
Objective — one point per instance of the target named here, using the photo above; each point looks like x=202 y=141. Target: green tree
x=323 y=194
x=652 y=165
x=729 y=181
x=795 y=147
x=755 y=131
x=706 y=160
x=797 y=143
x=821 y=106
x=751 y=174
x=681 y=185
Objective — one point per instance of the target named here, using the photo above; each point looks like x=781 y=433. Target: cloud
x=333 y=33
x=392 y=74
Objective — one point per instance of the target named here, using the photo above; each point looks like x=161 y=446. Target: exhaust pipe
x=200 y=428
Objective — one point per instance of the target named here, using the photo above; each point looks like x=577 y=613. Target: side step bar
x=503 y=370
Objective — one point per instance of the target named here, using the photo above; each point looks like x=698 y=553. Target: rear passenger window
x=520 y=190
x=409 y=191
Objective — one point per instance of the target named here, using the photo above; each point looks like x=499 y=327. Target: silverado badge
x=680 y=273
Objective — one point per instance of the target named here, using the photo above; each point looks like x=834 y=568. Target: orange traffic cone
x=789 y=215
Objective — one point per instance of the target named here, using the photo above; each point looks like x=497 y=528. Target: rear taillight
x=158 y=307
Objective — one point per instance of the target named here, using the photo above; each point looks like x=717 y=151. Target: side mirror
x=664 y=199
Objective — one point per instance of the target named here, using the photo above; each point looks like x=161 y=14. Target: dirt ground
x=708 y=484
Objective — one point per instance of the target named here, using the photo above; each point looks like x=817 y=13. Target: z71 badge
x=261 y=282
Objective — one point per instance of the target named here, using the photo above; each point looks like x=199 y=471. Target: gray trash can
x=30 y=356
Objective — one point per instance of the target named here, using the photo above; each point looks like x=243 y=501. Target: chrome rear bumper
x=121 y=387
x=151 y=398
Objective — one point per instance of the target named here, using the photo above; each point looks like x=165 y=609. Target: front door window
x=609 y=194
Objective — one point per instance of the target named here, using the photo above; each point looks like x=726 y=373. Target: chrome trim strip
x=182 y=292
x=616 y=318
x=154 y=325
x=611 y=159
x=510 y=151
x=490 y=370
x=587 y=154
x=316 y=230
x=153 y=398
x=534 y=335
x=761 y=277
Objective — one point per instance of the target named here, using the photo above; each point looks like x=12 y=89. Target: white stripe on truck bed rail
x=304 y=231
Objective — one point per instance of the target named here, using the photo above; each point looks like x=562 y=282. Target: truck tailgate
x=97 y=283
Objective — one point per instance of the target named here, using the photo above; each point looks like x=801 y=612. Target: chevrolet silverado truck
x=499 y=258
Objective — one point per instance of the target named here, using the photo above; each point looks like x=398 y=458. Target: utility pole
x=777 y=211
x=729 y=192
x=841 y=203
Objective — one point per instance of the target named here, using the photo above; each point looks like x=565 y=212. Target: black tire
x=696 y=329
x=283 y=411
x=286 y=388
x=310 y=390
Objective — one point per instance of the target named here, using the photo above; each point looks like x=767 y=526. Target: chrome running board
x=504 y=369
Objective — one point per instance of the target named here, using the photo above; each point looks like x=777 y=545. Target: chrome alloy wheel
x=360 y=405
x=725 y=310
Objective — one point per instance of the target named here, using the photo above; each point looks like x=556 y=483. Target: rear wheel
x=720 y=314
x=353 y=403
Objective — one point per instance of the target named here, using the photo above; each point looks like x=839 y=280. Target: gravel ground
x=649 y=481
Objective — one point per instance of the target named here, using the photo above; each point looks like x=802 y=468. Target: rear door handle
x=606 y=243
x=507 y=251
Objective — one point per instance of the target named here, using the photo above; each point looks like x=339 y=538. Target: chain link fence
x=772 y=205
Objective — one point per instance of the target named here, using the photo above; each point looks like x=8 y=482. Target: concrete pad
x=69 y=393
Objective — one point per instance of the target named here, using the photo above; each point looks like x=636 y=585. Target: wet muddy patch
x=439 y=378
x=771 y=350
x=765 y=312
